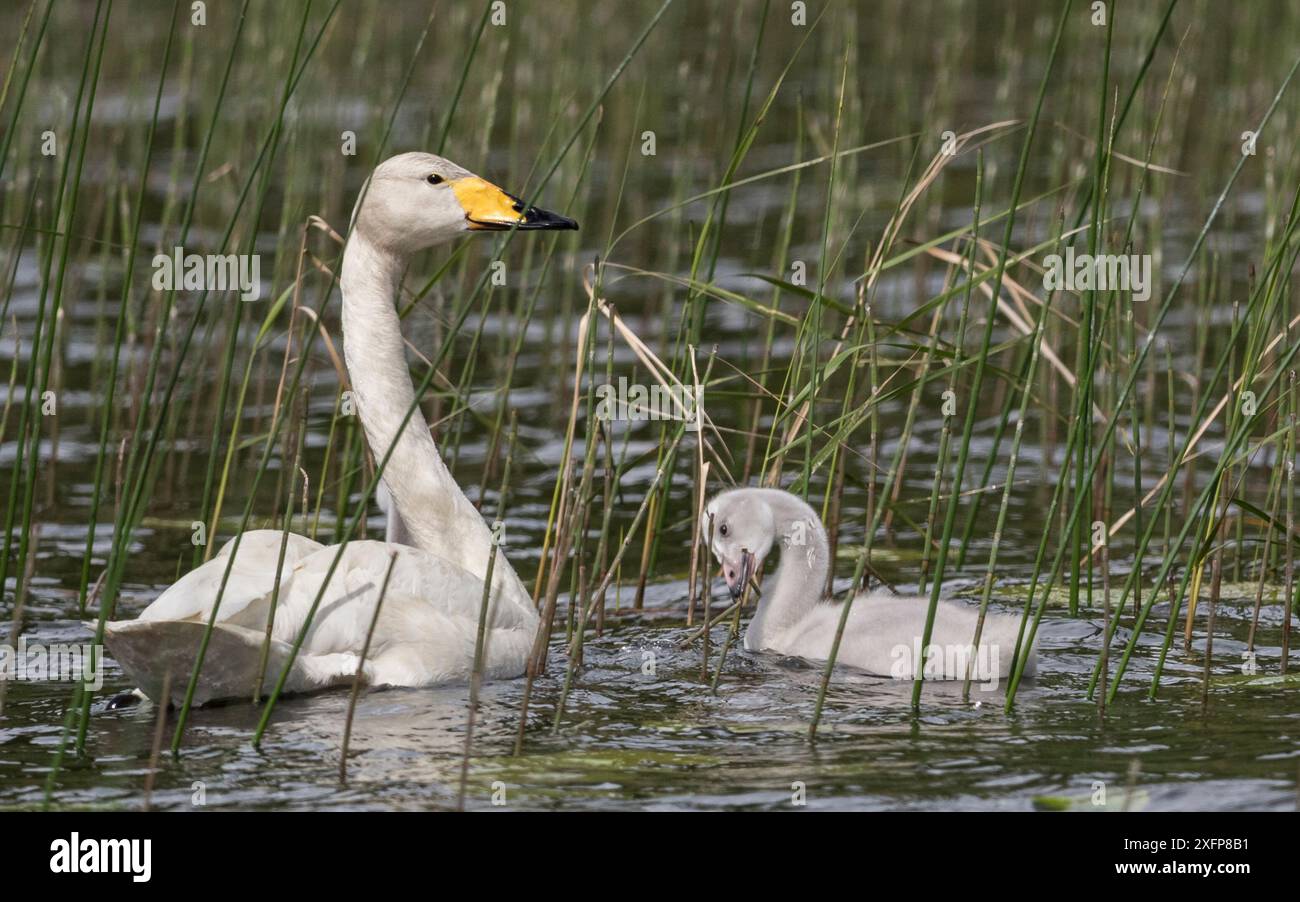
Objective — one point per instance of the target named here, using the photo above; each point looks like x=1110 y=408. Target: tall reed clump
x=1097 y=366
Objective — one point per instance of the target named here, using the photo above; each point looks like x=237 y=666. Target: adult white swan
x=883 y=633
x=429 y=618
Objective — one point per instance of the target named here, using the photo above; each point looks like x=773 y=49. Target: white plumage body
x=883 y=636
x=425 y=633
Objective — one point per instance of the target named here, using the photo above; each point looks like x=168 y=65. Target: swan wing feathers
x=252 y=577
x=883 y=636
x=422 y=585
x=425 y=634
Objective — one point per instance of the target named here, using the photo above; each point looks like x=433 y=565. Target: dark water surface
x=663 y=740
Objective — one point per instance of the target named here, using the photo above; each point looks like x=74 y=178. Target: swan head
x=741 y=528
x=415 y=201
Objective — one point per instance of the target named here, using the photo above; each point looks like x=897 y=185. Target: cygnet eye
x=722 y=530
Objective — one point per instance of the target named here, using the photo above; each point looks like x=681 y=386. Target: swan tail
x=150 y=650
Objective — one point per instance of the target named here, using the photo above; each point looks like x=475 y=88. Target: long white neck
x=438 y=517
x=800 y=578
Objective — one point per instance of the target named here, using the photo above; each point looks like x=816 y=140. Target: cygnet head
x=417 y=200
x=743 y=528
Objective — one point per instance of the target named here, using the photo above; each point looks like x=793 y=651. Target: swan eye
x=722 y=530
x=434 y=179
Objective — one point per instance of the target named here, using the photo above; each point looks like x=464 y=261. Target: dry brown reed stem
x=1018 y=318
x=1288 y=594
x=643 y=572
x=1216 y=583
x=20 y=602
x=704 y=630
x=701 y=489
x=563 y=543
x=295 y=305
x=1201 y=429
x=1113 y=154
x=575 y=644
x=636 y=524
x=537 y=658
x=833 y=522
x=1263 y=569
x=923 y=366
x=561 y=498
x=563 y=528
x=661 y=372
x=891 y=231
x=657 y=368
x=13 y=375
x=1105 y=624
x=284 y=547
x=159 y=727
x=733 y=633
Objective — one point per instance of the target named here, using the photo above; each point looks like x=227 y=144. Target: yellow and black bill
x=488 y=208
